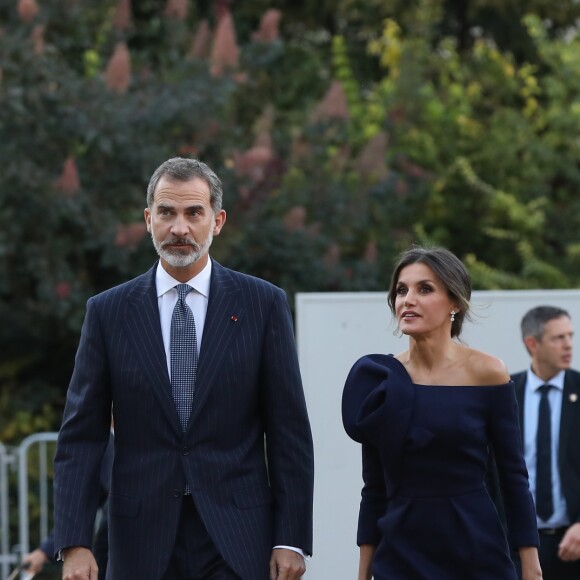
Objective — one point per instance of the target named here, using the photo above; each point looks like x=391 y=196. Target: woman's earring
x=453 y=316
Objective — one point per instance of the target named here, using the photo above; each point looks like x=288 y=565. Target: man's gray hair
x=185 y=169
x=534 y=320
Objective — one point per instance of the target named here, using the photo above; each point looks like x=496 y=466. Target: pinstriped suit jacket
x=247 y=452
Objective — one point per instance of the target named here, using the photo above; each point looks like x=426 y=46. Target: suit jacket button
x=185 y=451
x=176 y=493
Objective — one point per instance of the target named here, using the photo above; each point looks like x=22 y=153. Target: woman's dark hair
x=448 y=268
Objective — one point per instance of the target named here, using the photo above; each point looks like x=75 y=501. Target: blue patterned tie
x=183 y=351
x=544 y=499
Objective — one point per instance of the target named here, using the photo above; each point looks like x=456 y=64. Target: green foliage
x=58 y=246
x=497 y=141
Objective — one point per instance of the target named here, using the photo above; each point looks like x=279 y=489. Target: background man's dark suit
x=248 y=385
x=549 y=416
x=569 y=442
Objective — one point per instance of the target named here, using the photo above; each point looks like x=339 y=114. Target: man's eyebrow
x=189 y=208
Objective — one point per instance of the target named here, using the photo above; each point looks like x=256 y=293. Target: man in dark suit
x=550 y=425
x=213 y=470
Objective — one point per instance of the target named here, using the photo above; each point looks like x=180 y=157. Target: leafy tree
x=77 y=151
x=496 y=139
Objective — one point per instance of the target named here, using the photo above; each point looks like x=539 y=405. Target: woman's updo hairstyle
x=448 y=268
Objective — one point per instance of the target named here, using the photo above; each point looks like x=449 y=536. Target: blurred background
x=343 y=130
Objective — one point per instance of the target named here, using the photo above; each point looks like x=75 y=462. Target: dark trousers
x=195 y=556
x=552 y=567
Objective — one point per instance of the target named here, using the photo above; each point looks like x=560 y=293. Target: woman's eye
x=401 y=290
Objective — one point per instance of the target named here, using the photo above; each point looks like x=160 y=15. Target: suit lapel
x=520 y=384
x=223 y=320
x=570 y=400
x=144 y=329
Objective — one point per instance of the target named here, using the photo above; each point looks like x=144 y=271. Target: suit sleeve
x=373 y=505
x=511 y=468
x=47 y=545
x=287 y=428
x=82 y=440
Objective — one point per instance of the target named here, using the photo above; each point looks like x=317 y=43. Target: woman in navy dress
x=426 y=419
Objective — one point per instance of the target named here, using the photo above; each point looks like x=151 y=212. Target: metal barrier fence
x=7 y=559
x=25 y=473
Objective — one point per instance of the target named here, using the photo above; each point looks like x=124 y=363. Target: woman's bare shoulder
x=486 y=369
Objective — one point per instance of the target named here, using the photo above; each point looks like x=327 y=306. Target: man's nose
x=179 y=226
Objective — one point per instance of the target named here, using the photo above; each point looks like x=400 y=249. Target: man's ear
x=147 y=215
x=531 y=344
x=219 y=221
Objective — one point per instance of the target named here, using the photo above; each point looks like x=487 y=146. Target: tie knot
x=545 y=389
x=183 y=290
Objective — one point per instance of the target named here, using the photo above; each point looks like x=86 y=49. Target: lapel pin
x=573 y=397
x=234 y=318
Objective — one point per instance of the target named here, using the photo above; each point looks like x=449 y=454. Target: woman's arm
x=373 y=506
x=373 y=503
x=506 y=440
x=530 y=564
x=367 y=551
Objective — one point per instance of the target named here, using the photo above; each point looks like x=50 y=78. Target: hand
x=79 y=564
x=530 y=563
x=35 y=561
x=569 y=549
x=286 y=565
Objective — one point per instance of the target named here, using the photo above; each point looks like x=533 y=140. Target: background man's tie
x=183 y=351
x=544 y=500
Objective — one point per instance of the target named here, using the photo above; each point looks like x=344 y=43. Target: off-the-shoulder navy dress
x=424 y=502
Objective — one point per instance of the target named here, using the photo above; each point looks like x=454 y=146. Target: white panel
x=333 y=331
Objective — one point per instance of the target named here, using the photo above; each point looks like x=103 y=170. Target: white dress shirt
x=197 y=300
x=531 y=407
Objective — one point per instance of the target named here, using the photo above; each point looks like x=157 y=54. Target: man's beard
x=178 y=259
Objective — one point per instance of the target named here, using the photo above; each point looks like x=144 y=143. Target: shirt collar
x=200 y=283
x=534 y=382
